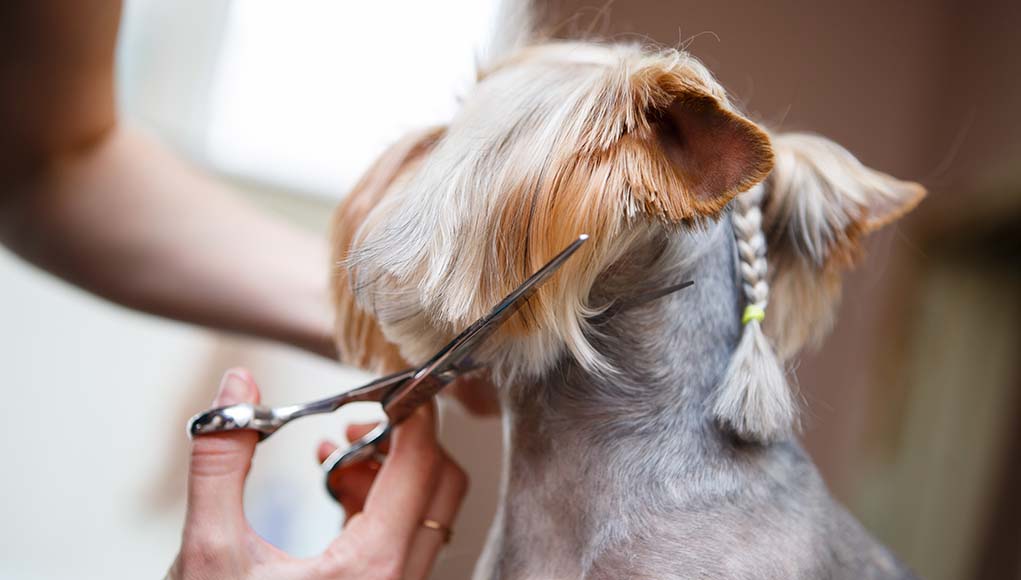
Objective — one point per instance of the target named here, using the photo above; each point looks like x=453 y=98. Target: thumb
x=219 y=463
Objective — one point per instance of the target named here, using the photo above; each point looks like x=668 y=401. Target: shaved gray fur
x=630 y=477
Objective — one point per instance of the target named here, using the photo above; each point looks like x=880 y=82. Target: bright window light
x=308 y=92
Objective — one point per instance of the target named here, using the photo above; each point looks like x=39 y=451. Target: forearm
x=128 y=221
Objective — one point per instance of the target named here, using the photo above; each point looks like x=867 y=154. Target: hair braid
x=751 y=246
x=754 y=400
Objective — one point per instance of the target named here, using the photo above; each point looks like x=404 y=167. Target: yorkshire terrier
x=658 y=442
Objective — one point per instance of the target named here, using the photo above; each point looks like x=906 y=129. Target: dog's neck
x=595 y=462
x=669 y=354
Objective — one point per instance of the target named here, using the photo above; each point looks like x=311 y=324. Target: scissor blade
x=427 y=383
x=473 y=336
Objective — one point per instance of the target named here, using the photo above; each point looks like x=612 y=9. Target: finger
x=356 y=431
x=324 y=450
x=349 y=484
x=397 y=501
x=450 y=494
x=219 y=463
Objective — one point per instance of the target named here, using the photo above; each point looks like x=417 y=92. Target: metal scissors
x=399 y=394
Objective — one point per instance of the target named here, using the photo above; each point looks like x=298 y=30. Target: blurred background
x=913 y=401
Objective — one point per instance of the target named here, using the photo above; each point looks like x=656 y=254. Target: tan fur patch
x=802 y=308
x=360 y=341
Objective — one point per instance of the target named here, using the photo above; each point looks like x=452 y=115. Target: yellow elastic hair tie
x=753 y=312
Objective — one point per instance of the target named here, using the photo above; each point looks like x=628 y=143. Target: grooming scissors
x=399 y=394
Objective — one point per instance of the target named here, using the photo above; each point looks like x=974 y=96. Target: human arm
x=101 y=205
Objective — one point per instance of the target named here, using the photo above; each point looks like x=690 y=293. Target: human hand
x=384 y=537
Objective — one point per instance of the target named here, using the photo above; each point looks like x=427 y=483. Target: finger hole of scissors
x=364 y=449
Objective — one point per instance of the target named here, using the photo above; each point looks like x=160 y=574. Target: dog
x=657 y=442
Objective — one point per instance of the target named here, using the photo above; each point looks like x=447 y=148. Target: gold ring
x=435 y=525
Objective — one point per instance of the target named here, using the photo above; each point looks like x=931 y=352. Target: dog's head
x=563 y=139
x=555 y=141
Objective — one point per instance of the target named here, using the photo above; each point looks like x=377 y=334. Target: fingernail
x=234 y=389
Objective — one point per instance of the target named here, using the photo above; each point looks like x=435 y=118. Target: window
x=303 y=94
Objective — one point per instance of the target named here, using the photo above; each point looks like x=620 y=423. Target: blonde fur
x=360 y=341
x=556 y=140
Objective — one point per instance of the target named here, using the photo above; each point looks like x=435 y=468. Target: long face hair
x=555 y=141
x=561 y=139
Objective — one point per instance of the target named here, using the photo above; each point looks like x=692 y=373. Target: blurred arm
x=108 y=209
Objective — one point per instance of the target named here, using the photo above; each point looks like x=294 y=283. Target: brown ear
x=704 y=151
x=820 y=202
x=360 y=341
x=716 y=153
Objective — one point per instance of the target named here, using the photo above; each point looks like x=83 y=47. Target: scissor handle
x=267 y=420
x=240 y=417
x=360 y=450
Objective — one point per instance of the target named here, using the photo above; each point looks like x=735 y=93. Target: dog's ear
x=699 y=152
x=820 y=202
x=360 y=341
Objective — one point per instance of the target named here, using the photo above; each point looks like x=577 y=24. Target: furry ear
x=707 y=153
x=360 y=341
x=820 y=202
x=715 y=152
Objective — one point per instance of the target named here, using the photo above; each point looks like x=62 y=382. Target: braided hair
x=754 y=400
